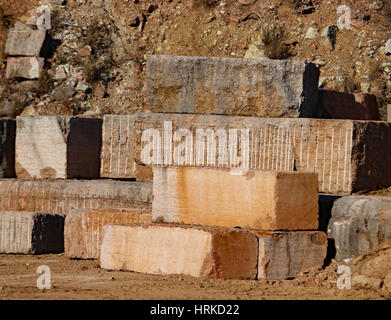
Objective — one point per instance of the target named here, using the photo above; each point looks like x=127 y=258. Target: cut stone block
x=83 y=228
x=283 y=255
x=358 y=224
x=7 y=148
x=26 y=67
x=231 y=86
x=349 y=156
x=61 y=196
x=217 y=253
x=58 y=147
x=24 y=42
x=343 y=105
x=262 y=200
x=31 y=233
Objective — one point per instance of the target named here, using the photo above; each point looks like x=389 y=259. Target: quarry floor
x=80 y=279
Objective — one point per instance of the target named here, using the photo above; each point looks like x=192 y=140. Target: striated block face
x=61 y=196
x=58 y=147
x=216 y=253
x=262 y=200
x=283 y=255
x=24 y=67
x=358 y=224
x=24 y=42
x=83 y=228
x=231 y=86
x=31 y=233
x=349 y=156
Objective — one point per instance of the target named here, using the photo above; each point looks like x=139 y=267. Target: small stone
x=85 y=51
x=322 y=81
x=219 y=32
x=387 y=48
x=311 y=33
x=82 y=86
x=254 y=52
x=60 y=73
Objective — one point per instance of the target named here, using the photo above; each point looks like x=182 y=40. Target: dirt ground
x=79 y=279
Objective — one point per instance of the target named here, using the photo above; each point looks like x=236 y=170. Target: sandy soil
x=77 y=279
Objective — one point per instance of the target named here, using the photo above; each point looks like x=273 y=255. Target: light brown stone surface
x=349 y=156
x=23 y=41
x=283 y=255
x=262 y=200
x=61 y=196
x=58 y=147
x=31 y=233
x=169 y=249
x=83 y=228
x=231 y=86
x=343 y=105
x=24 y=67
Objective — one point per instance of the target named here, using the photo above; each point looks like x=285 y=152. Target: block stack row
x=220 y=180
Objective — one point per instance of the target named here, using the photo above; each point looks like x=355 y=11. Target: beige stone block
x=256 y=199
x=63 y=147
x=83 y=228
x=203 y=252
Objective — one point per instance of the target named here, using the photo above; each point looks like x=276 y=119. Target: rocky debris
x=358 y=224
x=26 y=67
x=371 y=271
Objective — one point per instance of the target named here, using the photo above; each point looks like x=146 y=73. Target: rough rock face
x=83 y=228
x=203 y=252
x=343 y=105
x=58 y=147
x=31 y=233
x=23 y=41
x=283 y=255
x=262 y=200
x=349 y=156
x=231 y=86
x=61 y=196
x=24 y=67
x=358 y=224
x=7 y=148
